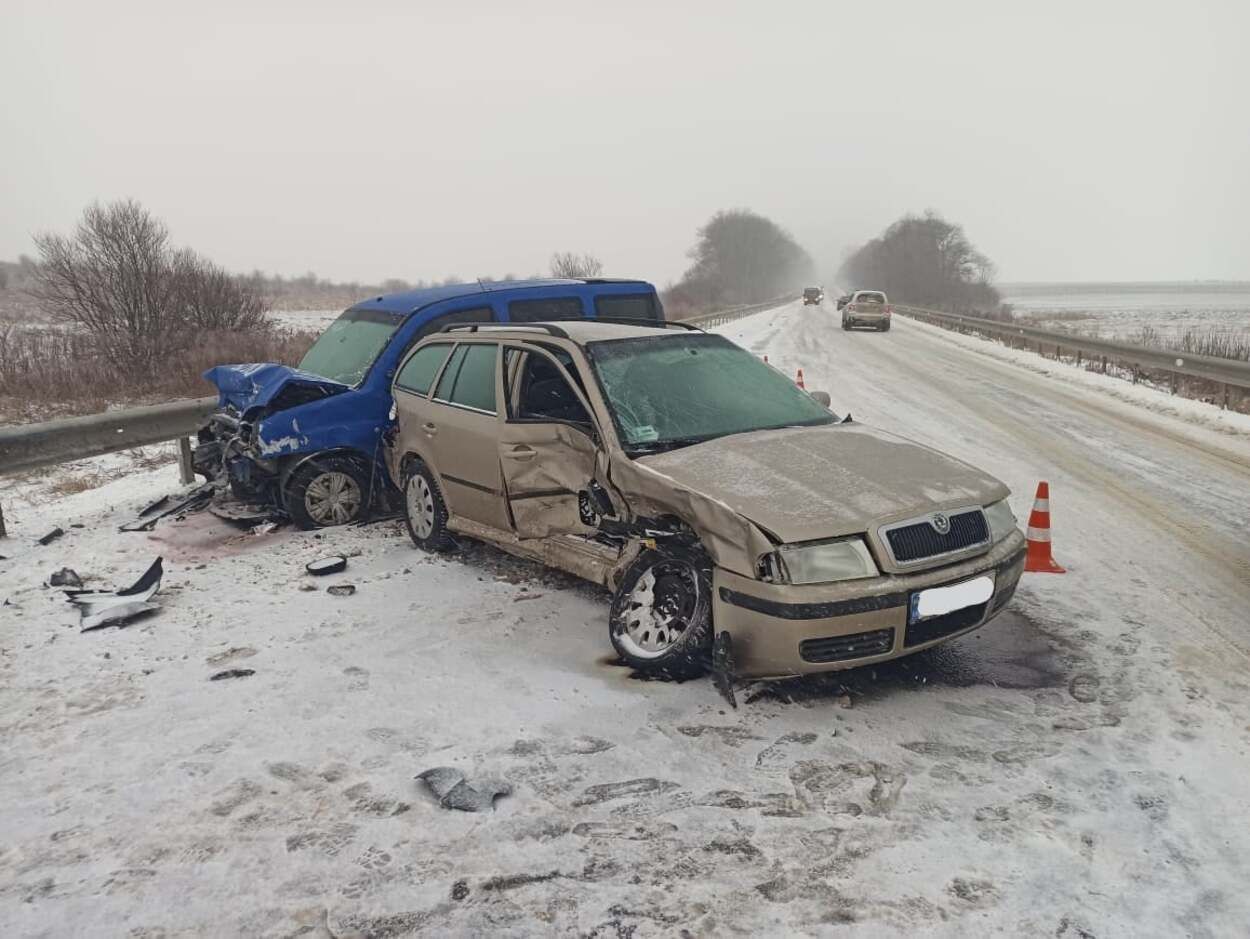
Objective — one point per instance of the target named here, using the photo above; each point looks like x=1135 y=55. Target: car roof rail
x=645 y=324
x=549 y=329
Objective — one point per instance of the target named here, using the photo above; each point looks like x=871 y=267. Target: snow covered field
x=1077 y=768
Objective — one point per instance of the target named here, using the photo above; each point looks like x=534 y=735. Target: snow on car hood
x=258 y=384
x=808 y=483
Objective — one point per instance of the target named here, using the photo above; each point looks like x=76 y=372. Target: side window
x=545 y=395
x=418 y=372
x=448 y=381
x=539 y=311
x=475 y=377
x=635 y=306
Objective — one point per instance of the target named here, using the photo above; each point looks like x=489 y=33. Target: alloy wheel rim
x=333 y=499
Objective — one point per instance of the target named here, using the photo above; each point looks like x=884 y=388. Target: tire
x=680 y=644
x=328 y=491
x=885 y=327
x=425 y=510
x=846 y=325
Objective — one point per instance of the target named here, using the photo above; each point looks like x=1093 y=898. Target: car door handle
x=430 y=429
x=521 y=453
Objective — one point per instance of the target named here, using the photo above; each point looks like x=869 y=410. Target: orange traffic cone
x=1039 y=559
x=799 y=380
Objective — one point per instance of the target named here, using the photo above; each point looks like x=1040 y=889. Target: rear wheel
x=845 y=324
x=661 y=615
x=327 y=491
x=885 y=327
x=425 y=512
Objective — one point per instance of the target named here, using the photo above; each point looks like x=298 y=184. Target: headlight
x=1000 y=519
x=829 y=561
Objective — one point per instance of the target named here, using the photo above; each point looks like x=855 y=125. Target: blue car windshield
x=346 y=350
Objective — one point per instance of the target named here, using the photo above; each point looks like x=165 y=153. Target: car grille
x=938 y=626
x=920 y=540
x=841 y=648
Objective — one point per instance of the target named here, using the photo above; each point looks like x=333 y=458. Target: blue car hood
x=258 y=384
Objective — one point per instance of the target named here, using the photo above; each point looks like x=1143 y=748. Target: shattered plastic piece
x=232 y=673
x=341 y=590
x=151 y=577
x=243 y=515
x=329 y=565
x=52 y=536
x=453 y=791
x=153 y=506
x=93 y=604
x=65 y=577
x=723 y=667
x=196 y=499
x=117 y=615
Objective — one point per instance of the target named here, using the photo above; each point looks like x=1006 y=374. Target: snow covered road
x=1077 y=768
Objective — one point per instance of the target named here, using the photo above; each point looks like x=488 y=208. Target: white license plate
x=938 y=601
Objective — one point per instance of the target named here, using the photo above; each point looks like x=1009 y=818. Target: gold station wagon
x=711 y=495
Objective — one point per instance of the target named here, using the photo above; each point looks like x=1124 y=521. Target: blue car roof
x=409 y=300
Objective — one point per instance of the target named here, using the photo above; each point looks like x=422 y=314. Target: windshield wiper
x=672 y=443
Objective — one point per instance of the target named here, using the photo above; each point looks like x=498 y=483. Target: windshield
x=673 y=390
x=345 y=351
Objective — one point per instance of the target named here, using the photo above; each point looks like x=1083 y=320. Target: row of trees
x=739 y=257
x=119 y=278
x=924 y=260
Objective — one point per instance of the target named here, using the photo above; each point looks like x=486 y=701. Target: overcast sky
x=1094 y=140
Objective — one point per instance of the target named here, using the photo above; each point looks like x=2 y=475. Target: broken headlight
x=823 y=562
x=1001 y=520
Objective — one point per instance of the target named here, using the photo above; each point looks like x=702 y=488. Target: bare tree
x=575 y=266
x=119 y=278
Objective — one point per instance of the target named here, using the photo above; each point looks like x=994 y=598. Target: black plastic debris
x=65 y=577
x=194 y=500
x=333 y=564
x=723 y=667
x=154 y=506
x=121 y=614
x=341 y=590
x=52 y=536
x=241 y=514
x=232 y=673
x=453 y=790
x=151 y=579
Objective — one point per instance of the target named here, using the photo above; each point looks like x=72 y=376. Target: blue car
x=308 y=441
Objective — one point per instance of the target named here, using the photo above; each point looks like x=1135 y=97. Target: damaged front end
x=242 y=446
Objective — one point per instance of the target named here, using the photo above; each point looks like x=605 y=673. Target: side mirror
x=822 y=398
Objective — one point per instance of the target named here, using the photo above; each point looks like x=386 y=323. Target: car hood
x=261 y=384
x=808 y=483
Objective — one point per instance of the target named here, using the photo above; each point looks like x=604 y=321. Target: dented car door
x=548 y=446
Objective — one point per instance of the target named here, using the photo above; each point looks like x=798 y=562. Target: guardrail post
x=1223 y=407
x=5 y=534
x=185 y=473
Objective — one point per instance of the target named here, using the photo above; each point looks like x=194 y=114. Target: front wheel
x=661 y=615
x=885 y=327
x=327 y=491
x=846 y=325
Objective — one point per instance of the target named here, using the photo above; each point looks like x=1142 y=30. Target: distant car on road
x=812 y=296
x=305 y=441
x=867 y=308
x=725 y=508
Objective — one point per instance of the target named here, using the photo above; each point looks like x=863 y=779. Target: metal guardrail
x=34 y=446
x=1228 y=373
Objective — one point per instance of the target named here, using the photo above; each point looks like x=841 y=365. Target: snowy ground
x=1077 y=768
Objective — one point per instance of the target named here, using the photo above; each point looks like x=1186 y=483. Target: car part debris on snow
x=232 y=673
x=154 y=506
x=341 y=590
x=723 y=667
x=453 y=791
x=195 y=500
x=329 y=565
x=52 y=536
x=65 y=577
x=101 y=608
x=119 y=614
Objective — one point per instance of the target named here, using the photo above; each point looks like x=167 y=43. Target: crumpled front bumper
x=784 y=630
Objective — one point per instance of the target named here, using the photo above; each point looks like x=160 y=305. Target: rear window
x=548 y=308
x=469 y=378
x=870 y=298
x=628 y=307
x=418 y=372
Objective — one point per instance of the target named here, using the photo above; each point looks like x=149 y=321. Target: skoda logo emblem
x=941 y=523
